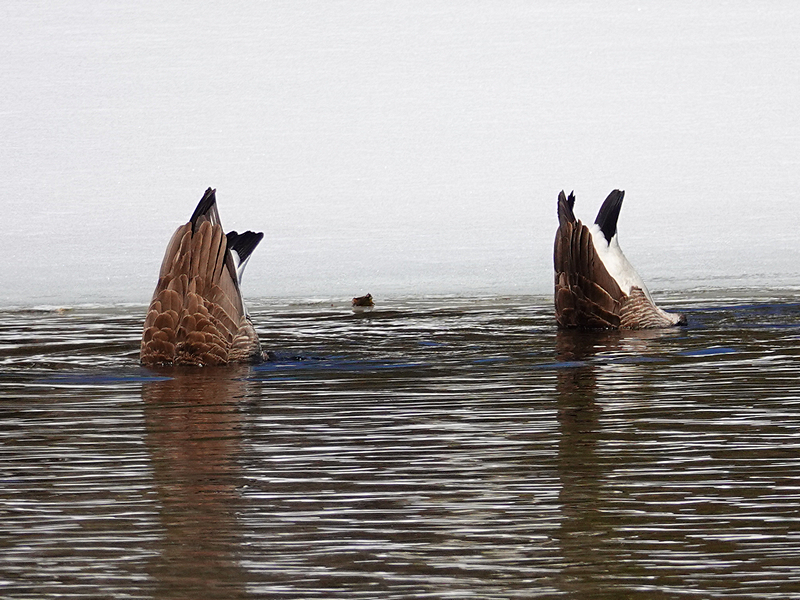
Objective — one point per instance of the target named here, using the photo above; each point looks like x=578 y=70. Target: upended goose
x=596 y=286
x=197 y=316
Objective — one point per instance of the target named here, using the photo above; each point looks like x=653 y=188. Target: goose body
x=596 y=287
x=197 y=315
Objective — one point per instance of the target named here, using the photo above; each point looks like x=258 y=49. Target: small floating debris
x=363 y=304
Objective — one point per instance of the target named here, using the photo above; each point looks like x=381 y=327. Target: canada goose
x=596 y=286
x=197 y=316
x=363 y=303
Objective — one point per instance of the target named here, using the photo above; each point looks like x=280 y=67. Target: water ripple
x=437 y=448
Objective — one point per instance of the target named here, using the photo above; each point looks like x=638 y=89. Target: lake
x=453 y=443
x=439 y=447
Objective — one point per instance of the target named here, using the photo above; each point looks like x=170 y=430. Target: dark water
x=437 y=448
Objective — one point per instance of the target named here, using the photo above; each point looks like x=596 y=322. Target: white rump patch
x=615 y=262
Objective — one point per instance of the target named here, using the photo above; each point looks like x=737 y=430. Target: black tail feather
x=609 y=214
x=244 y=243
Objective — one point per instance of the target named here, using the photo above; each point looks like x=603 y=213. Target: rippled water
x=437 y=448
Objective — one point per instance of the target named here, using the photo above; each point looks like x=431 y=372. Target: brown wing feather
x=586 y=296
x=639 y=312
x=197 y=316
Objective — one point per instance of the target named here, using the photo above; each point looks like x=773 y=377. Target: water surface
x=445 y=447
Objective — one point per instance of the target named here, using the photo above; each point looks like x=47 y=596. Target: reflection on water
x=596 y=367
x=449 y=447
x=193 y=435
x=579 y=471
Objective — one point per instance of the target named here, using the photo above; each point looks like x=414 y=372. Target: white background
x=396 y=147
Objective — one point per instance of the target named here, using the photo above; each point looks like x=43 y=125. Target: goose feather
x=197 y=315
